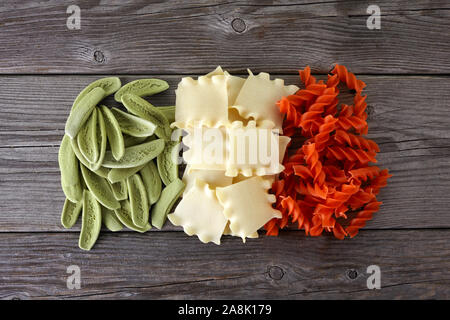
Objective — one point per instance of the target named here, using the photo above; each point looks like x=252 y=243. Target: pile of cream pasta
x=235 y=146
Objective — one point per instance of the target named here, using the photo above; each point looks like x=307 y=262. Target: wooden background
x=405 y=64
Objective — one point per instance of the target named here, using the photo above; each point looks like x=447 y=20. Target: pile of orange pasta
x=327 y=184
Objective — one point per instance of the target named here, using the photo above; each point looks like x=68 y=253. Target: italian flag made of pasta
x=325 y=183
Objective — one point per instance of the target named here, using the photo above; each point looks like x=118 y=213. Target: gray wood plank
x=167 y=265
x=183 y=37
x=410 y=126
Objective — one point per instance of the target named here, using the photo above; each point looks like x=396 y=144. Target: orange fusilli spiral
x=328 y=178
x=348 y=78
x=362 y=217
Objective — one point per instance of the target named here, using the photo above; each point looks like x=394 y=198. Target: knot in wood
x=276 y=272
x=352 y=274
x=238 y=25
x=99 y=56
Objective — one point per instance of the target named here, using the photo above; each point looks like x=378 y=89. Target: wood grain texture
x=165 y=265
x=43 y=66
x=184 y=37
x=411 y=128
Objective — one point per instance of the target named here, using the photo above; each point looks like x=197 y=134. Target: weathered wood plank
x=31 y=197
x=182 y=37
x=403 y=106
x=410 y=126
x=167 y=265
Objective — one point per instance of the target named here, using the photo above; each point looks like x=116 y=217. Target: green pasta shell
x=142 y=88
x=168 y=112
x=136 y=155
x=119 y=174
x=109 y=85
x=70 y=176
x=82 y=111
x=115 y=136
x=132 y=125
x=138 y=201
x=120 y=190
x=87 y=139
x=110 y=220
x=169 y=196
x=130 y=141
x=91 y=221
x=102 y=171
x=100 y=189
x=124 y=215
x=147 y=111
x=101 y=140
x=167 y=162
x=70 y=213
x=152 y=181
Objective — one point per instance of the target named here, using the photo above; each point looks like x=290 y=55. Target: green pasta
x=130 y=141
x=169 y=196
x=142 y=88
x=136 y=155
x=115 y=136
x=91 y=221
x=82 y=111
x=120 y=190
x=101 y=141
x=168 y=112
x=152 y=182
x=132 y=125
x=70 y=213
x=119 y=174
x=124 y=215
x=100 y=189
x=109 y=85
x=68 y=165
x=147 y=111
x=167 y=162
x=87 y=139
x=138 y=201
x=106 y=160
x=110 y=220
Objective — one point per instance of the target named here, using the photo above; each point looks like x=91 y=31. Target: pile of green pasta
x=107 y=160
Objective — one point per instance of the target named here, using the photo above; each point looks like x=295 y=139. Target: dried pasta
x=247 y=215
x=327 y=184
x=249 y=147
x=201 y=102
x=218 y=112
x=258 y=97
x=203 y=218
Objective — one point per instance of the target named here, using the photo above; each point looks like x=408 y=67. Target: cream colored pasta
x=201 y=102
x=258 y=97
x=253 y=150
x=234 y=83
x=207 y=148
x=228 y=232
x=214 y=178
x=200 y=213
x=248 y=205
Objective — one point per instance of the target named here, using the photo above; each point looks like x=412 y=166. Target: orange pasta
x=328 y=184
